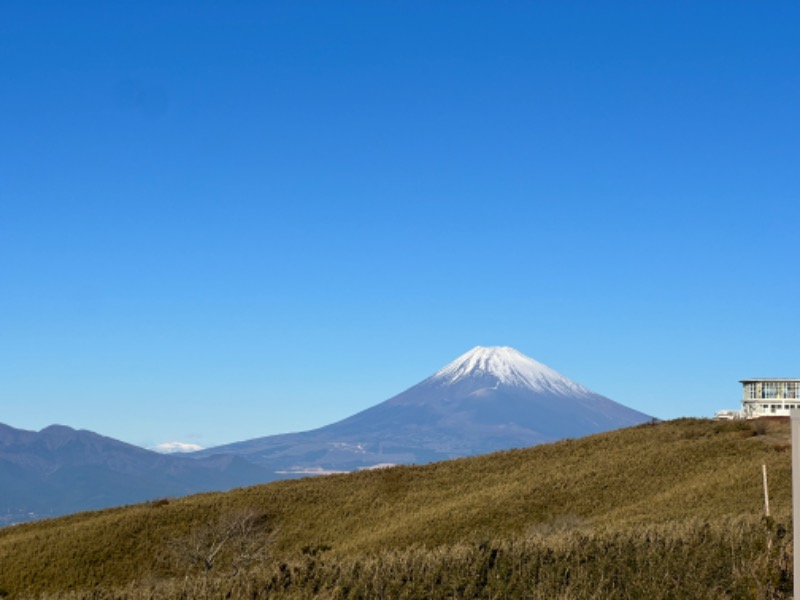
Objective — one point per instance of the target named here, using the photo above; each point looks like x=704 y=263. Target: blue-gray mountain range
x=60 y=470
x=489 y=399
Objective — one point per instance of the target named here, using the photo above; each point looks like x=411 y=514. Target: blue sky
x=223 y=220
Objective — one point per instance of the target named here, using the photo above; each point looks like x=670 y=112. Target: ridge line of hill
x=673 y=476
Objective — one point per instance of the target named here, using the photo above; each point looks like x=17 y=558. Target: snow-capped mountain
x=175 y=448
x=506 y=366
x=491 y=398
x=488 y=399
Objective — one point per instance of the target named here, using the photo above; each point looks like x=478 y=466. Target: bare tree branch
x=241 y=537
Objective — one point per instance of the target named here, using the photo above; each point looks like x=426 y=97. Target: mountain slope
x=647 y=504
x=60 y=470
x=491 y=398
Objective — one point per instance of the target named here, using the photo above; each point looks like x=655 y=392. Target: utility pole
x=795 y=417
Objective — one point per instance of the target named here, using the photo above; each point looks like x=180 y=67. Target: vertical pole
x=766 y=491
x=795 y=416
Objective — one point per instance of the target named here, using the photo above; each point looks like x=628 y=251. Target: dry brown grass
x=620 y=511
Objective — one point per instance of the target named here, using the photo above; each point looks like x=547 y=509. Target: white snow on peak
x=176 y=447
x=509 y=367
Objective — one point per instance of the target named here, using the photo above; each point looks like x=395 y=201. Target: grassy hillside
x=673 y=509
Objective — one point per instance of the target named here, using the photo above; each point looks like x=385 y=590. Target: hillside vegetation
x=668 y=510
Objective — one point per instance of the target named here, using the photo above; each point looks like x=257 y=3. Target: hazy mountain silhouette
x=59 y=470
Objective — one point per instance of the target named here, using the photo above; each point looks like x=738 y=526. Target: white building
x=770 y=397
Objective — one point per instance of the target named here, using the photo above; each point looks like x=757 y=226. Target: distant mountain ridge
x=60 y=470
x=488 y=399
x=491 y=398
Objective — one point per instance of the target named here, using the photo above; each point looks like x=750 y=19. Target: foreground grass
x=739 y=558
x=667 y=510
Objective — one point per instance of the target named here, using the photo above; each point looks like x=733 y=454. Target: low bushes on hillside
x=725 y=558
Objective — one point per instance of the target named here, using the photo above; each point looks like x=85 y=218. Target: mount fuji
x=491 y=398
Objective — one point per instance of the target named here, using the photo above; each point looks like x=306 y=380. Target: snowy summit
x=509 y=367
x=176 y=448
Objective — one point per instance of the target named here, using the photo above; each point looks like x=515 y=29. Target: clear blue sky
x=223 y=220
